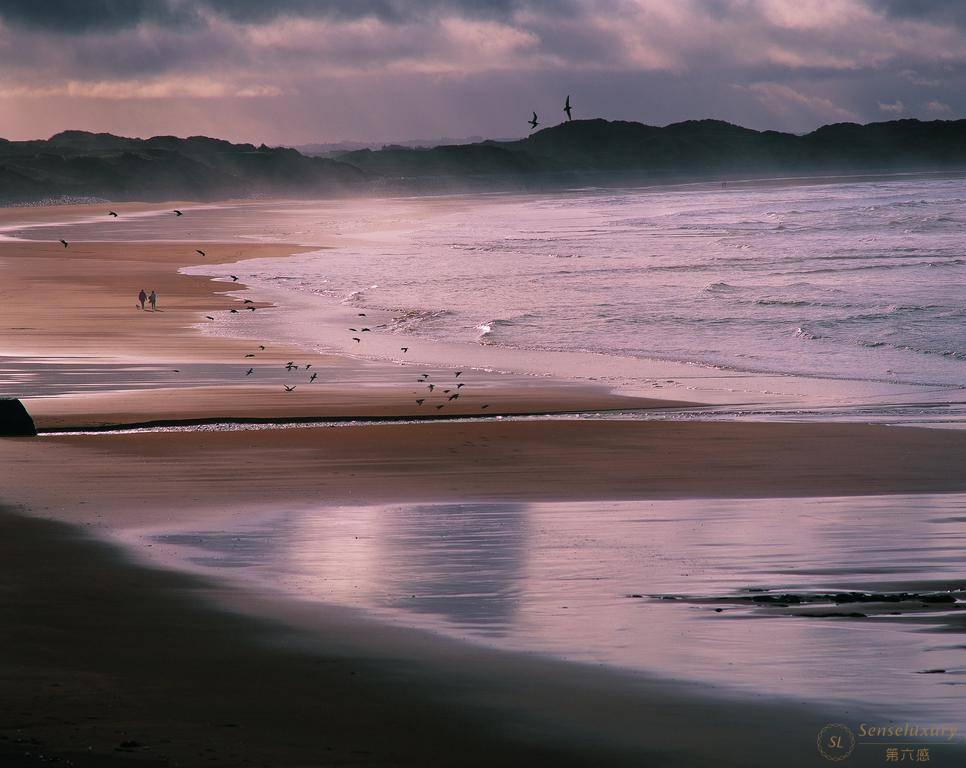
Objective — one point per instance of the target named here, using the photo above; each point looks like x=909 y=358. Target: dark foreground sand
x=98 y=653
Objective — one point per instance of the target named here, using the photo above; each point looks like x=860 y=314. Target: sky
x=302 y=71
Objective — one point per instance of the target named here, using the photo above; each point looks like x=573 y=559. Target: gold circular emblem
x=835 y=742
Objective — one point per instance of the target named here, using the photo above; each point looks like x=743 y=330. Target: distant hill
x=81 y=164
x=594 y=150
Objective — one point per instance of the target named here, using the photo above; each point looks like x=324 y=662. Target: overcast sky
x=297 y=71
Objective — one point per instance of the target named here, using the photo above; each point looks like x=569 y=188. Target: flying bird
x=458 y=374
x=250 y=309
x=64 y=243
x=176 y=370
x=308 y=365
x=201 y=252
x=533 y=121
x=261 y=346
x=438 y=407
x=209 y=317
x=234 y=278
x=404 y=349
x=250 y=371
x=421 y=401
x=365 y=330
x=453 y=397
x=362 y=314
x=111 y=213
x=313 y=377
x=431 y=387
x=458 y=386
x=249 y=355
x=248 y=301
x=356 y=339
x=233 y=311
x=288 y=388
x=178 y=213
x=484 y=406
x=567 y=108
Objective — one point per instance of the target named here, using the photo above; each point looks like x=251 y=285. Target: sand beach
x=149 y=421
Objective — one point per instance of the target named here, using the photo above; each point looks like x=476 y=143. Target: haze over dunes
x=80 y=164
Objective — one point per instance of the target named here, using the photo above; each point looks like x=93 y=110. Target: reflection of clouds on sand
x=459 y=563
x=583 y=580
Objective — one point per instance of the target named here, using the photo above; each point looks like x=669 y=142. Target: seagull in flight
x=404 y=349
x=431 y=387
x=249 y=355
x=567 y=108
x=458 y=374
x=421 y=401
x=288 y=388
x=234 y=278
x=533 y=121
x=64 y=243
x=178 y=213
x=250 y=371
x=356 y=339
x=202 y=253
x=112 y=213
x=313 y=377
x=209 y=317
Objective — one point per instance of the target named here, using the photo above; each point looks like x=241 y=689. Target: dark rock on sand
x=14 y=419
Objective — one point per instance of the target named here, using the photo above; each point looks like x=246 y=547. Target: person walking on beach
x=153 y=298
x=142 y=297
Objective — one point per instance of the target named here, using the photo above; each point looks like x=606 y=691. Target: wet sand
x=98 y=652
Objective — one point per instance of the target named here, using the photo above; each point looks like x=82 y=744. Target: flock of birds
x=533 y=122
x=451 y=393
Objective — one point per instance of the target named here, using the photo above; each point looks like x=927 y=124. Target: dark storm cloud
x=953 y=11
x=82 y=16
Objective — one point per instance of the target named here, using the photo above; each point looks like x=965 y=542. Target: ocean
x=851 y=282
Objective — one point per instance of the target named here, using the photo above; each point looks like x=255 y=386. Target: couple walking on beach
x=153 y=298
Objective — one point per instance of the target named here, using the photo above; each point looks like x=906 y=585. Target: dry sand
x=96 y=651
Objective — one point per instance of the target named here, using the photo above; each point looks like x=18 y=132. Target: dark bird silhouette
x=313 y=377
x=533 y=121
x=438 y=407
x=484 y=406
x=290 y=363
x=248 y=301
x=64 y=243
x=567 y=108
x=365 y=330
x=354 y=330
x=250 y=371
x=404 y=349
x=455 y=396
x=308 y=365
x=458 y=374
x=431 y=387
x=251 y=309
x=233 y=311
x=209 y=317
x=234 y=278
x=178 y=213
x=176 y=370
x=112 y=213
x=421 y=401
x=356 y=339
x=460 y=385
x=249 y=355
x=446 y=391
x=200 y=252
x=288 y=388
x=362 y=314
x=261 y=346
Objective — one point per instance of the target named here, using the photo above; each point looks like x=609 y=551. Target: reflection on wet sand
x=589 y=582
